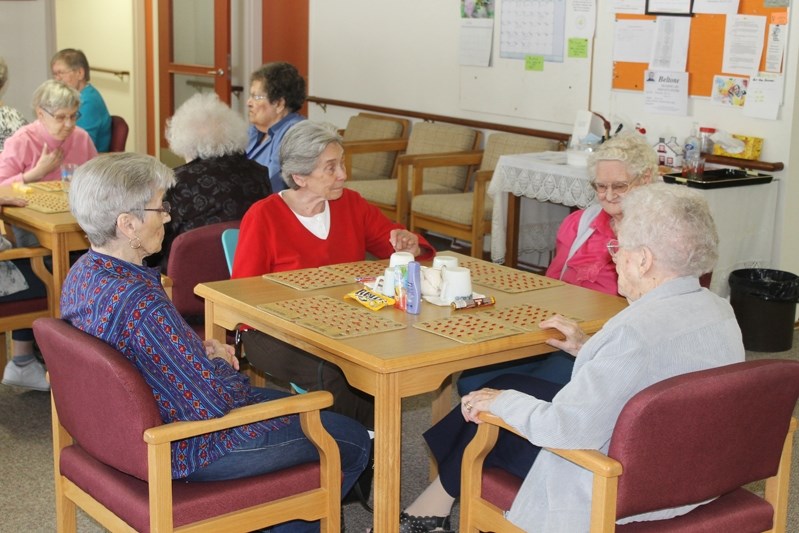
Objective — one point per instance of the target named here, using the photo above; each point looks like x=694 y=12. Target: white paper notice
x=630 y=7
x=719 y=7
x=764 y=96
x=581 y=18
x=632 y=40
x=775 y=49
x=743 y=44
x=666 y=93
x=670 y=51
x=477 y=35
x=665 y=7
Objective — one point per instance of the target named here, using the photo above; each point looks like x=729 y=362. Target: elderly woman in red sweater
x=313 y=223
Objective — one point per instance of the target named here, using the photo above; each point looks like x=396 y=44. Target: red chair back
x=119 y=134
x=101 y=398
x=700 y=435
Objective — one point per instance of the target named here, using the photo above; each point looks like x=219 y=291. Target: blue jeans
x=288 y=446
x=555 y=367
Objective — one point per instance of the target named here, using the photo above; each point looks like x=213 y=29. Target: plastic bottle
x=705 y=142
x=414 y=305
x=691 y=145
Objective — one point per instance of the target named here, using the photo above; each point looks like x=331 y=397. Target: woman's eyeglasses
x=258 y=97
x=613 y=248
x=620 y=187
x=165 y=208
x=74 y=117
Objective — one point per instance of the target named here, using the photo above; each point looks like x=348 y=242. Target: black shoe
x=363 y=486
x=423 y=524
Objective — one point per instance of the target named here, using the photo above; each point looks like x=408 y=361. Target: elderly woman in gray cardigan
x=672 y=326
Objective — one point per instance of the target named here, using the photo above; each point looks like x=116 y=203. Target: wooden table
x=59 y=232
x=394 y=365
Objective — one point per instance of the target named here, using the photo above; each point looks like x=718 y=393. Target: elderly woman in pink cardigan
x=37 y=151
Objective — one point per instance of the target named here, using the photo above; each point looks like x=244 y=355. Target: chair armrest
x=24 y=253
x=417 y=163
x=380 y=145
x=300 y=403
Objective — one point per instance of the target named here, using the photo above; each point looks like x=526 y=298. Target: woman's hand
x=48 y=162
x=575 y=337
x=476 y=402
x=14 y=202
x=215 y=349
x=404 y=241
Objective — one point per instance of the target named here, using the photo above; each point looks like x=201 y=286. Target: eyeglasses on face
x=259 y=97
x=165 y=208
x=613 y=248
x=620 y=187
x=74 y=117
x=58 y=73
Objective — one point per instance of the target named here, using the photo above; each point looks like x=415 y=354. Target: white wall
x=614 y=105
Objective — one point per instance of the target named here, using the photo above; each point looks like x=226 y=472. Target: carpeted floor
x=26 y=469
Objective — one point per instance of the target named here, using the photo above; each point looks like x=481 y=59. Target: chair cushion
x=500 y=143
x=385 y=191
x=128 y=496
x=22 y=307
x=456 y=208
x=378 y=165
x=500 y=487
x=432 y=138
x=739 y=511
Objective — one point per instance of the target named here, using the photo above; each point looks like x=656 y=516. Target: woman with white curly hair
x=218 y=183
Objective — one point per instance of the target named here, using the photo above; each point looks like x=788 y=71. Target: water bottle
x=691 y=145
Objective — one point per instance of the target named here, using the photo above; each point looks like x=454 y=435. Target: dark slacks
x=448 y=439
x=288 y=363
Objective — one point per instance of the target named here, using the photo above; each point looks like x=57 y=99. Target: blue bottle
x=414 y=305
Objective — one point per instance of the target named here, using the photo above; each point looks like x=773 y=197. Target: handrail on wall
x=118 y=73
x=563 y=138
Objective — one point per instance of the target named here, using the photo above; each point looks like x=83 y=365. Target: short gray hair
x=301 y=147
x=675 y=223
x=630 y=148
x=204 y=127
x=74 y=59
x=112 y=184
x=3 y=73
x=53 y=95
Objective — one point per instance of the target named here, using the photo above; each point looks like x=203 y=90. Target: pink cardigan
x=23 y=149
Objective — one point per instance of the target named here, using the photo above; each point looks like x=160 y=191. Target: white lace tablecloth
x=542 y=177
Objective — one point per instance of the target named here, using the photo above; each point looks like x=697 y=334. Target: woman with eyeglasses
x=37 y=151
x=618 y=166
x=277 y=92
x=118 y=200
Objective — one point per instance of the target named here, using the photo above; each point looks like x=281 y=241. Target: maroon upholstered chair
x=112 y=451
x=686 y=439
x=119 y=134
x=196 y=257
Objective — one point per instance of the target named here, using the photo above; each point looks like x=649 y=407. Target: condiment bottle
x=705 y=142
x=414 y=292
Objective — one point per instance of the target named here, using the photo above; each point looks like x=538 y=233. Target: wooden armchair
x=466 y=215
x=716 y=431
x=370 y=165
x=21 y=314
x=392 y=195
x=112 y=456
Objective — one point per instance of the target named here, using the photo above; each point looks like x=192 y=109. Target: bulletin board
x=705 y=50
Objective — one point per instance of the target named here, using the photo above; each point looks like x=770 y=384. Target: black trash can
x=764 y=301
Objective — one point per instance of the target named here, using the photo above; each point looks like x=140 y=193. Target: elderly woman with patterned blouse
x=118 y=200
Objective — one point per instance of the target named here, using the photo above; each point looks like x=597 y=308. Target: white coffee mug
x=385 y=283
x=445 y=261
x=455 y=283
x=431 y=281
x=400 y=258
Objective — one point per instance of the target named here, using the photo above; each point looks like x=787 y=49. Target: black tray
x=721 y=177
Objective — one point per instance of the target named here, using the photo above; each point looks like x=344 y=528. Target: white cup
x=431 y=281
x=385 y=283
x=400 y=258
x=445 y=261
x=455 y=283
